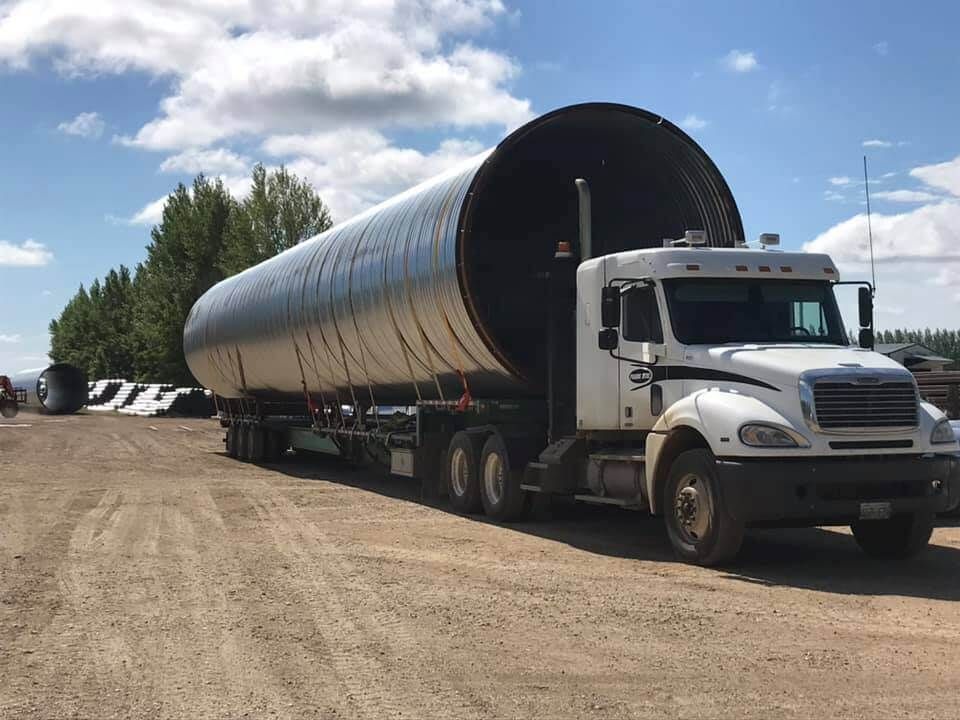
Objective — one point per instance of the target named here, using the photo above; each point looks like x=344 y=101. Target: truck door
x=641 y=348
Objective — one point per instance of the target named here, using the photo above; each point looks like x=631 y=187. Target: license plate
x=875 y=511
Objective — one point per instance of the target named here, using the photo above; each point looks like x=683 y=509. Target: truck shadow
x=812 y=558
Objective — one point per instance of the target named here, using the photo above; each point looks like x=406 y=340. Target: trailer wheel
x=698 y=524
x=896 y=538
x=500 y=491
x=462 y=472
x=231 y=441
x=255 y=444
x=272 y=448
x=242 y=443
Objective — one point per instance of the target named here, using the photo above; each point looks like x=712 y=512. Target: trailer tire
x=231 y=444
x=242 y=443
x=462 y=472
x=503 y=498
x=256 y=443
x=699 y=526
x=273 y=449
x=899 y=537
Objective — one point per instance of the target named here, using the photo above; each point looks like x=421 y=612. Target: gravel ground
x=145 y=574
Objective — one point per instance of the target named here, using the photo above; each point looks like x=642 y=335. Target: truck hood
x=782 y=365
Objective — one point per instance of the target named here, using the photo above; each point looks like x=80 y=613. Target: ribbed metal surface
x=847 y=405
x=394 y=305
x=60 y=389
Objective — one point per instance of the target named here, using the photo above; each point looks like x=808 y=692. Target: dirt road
x=145 y=574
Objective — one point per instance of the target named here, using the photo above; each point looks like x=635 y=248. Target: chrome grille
x=859 y=403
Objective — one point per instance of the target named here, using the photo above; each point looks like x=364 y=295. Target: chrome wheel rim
x=693 y=508
x=459 y=471
x=493 y=477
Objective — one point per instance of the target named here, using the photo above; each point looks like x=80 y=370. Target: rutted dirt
x=145 y=574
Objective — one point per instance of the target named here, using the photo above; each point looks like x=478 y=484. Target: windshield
x=752 y=310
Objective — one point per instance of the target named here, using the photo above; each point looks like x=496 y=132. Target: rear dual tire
x=250 y=443
x=480 y=477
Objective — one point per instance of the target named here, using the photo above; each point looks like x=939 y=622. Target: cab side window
x=641 y=316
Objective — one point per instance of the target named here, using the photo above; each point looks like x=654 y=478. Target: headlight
x=942 y=433
x=761 y=435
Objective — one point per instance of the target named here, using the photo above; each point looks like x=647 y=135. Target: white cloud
x=888 y=175
x=209 y=162
x=693 y=122
x=840 y=181
x=916 y=249
x=353 y=169
x=150 y=214
x=85 y=125
x=908 y=196
x=877 y=143
x=740 y=62
x=14 y=338
x=833 y=196
x=882 y=48
x=27 y=254
x=943 y=176
x=928 y=233
x=243 y=71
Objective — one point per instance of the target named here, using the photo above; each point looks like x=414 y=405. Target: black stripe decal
x=647 y=374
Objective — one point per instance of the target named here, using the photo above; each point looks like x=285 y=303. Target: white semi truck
x=489 y=335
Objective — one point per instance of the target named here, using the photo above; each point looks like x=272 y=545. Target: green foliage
x=280 y=212
x=132 y=327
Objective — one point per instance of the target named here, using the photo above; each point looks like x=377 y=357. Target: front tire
x=500 y=491
x=461 y=472
x=896 y=538
x=699 y=526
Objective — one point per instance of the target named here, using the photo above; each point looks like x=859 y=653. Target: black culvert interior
x=648 y=180
x=60 y=389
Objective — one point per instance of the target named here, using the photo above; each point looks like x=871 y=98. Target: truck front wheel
x=503 y=498
x=462 y=472
x=698 y=524
x=898 y=537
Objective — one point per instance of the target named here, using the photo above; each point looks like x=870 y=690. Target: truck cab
x=717 y=387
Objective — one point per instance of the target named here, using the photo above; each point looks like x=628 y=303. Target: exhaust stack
x=586 y=219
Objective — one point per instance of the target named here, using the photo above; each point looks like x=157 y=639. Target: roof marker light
x=742 y=268
x=764 y=268
x=786 y=268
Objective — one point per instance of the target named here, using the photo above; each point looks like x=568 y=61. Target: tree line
x=130 y=324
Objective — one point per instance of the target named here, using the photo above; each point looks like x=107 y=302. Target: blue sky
x=103 y=113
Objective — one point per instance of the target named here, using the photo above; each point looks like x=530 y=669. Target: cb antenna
x=873 y=266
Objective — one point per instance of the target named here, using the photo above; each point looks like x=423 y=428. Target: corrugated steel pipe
x=60 y=389
x=446 y=281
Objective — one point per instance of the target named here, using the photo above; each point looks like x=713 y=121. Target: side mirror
x=866 y=339
x=608 y=339
x=866 y=307
x=610 y=307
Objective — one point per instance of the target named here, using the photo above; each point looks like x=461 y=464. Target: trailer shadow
x=812 y=558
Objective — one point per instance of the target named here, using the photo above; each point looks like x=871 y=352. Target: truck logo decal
x=645 y=375
x=642 y=376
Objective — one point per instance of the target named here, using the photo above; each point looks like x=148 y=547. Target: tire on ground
x=231 y=444
x=242 y=443
x=500 y=492
x=255 y=447
x=898 y=537
x=699 y=526
x=461 y=472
